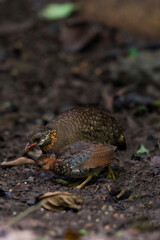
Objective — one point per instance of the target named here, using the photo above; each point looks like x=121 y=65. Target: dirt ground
x=48 y=67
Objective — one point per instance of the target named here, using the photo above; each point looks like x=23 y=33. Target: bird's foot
x=85 y=182
x=111 y=173
x=74 y=184
x=119 y=195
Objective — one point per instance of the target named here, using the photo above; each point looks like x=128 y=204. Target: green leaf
x=133 y=52
x=142 y=108
x=157 y=103
x=142 y=149
x=83 y=232
x=58 y=11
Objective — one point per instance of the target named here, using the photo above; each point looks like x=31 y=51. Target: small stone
x=106 y=227
x=110 y=208
x=14 y=213
x=115 y=215
x=103 y=207
x=30 y=179
x=155 y=171
x=121 y=216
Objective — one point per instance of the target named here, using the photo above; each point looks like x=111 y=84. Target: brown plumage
x=81 y=123
x=78 y=160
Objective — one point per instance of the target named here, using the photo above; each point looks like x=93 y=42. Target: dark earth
x=47 y=67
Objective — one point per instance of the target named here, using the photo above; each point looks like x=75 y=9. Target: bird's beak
x=29 y=146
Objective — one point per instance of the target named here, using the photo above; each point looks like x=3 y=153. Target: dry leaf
x=21 y=187
x=57 y=200
x=51 y=201
x=155 y=161
x=71 y=235
x=159 y=143
x=17 y=162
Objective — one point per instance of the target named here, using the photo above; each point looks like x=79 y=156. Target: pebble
x=30 y=179
x=110 y=208
x=103 y=207
x=155 y=171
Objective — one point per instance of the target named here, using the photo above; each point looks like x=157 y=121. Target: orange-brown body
x=79 y=159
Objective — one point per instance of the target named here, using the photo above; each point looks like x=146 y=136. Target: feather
x=100 y=156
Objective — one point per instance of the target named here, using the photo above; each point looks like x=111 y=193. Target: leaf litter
x=52 y=201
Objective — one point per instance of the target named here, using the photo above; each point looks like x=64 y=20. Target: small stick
x=24 y=214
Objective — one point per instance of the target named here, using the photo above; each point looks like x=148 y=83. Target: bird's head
x=45 y=162
x=45 y=139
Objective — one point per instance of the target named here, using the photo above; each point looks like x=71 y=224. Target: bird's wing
x=100 y=156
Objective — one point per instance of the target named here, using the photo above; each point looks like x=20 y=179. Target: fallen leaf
x=133 y=52
x=51 y=201
x=58 y=200
x=159 y=143
x=21 y=187
x=57 y=11
x=142 y=149
x=71 y=235
x=73 y=39
x=17 y=162
x=141 y=109
x=155 y=160
x=83 y=232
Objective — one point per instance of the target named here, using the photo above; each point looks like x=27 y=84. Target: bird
x=78 y=160
x=77 y=124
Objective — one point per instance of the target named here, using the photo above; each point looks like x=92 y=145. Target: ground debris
x=17 y=162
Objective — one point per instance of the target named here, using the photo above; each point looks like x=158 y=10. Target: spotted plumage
x=81 y=123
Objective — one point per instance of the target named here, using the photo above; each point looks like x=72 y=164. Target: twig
x=24 y=214
x=8 y=29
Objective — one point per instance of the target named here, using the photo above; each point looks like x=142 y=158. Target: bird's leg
x=85 y=181
x=119 y=195
x=111 y=173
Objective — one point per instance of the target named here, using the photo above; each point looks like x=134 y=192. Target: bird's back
x=83 y=157
x=87 y=123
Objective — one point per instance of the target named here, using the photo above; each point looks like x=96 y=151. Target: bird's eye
x=37 y=139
